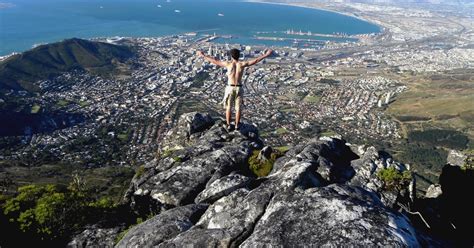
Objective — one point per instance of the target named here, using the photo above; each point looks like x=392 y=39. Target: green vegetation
x=140 y=170
x=469 y=163
x=281 y=130
x=168 y=152
x=328 y=133
x=394 y=179
x=35 y=109
x=312 y=99
x=51 y=212
x=441 y=101
x=262 y=168
x=289 y=110
x=177 y=159
x=426 y=161
x=20 y=72
x=123 y=136
x=198 y=80
x=408 y=118
x=283 y=149
x=328 y=81
x=83 y=104
x=62 y=103
x=440 y=137
x=125 y=231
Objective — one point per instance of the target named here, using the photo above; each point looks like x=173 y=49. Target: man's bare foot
x=228 y=127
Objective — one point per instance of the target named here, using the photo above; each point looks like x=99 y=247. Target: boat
x=177 y=11
x=159 y=6
x=220 y=14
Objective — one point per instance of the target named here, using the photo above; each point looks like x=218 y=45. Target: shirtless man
x=233 y=90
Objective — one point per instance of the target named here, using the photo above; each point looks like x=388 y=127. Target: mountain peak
x=201 y=192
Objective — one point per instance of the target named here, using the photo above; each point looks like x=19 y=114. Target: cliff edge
x=202 y=193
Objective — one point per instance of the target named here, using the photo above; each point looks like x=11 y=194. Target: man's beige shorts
x=233 y=94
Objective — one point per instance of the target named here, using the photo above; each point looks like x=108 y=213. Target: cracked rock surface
x=318 y=194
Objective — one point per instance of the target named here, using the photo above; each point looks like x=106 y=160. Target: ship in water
x=177 y=11
x=159 y=6
x=220 y=14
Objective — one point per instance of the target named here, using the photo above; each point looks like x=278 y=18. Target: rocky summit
x=202 y=193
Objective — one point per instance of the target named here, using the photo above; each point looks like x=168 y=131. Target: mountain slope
x=201 y=193
x=21 y=71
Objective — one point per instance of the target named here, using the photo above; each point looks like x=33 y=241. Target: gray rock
x=295 y=174
x=228 y=221
x=366 y=169
x=265 y=153
x=456 y=158
x=95 y=236
x=333 y=216
x=248 y=130
x=162 y=227
x=214 y=154
x=222 y=187
x=314 y=195
x=433 y=191
x=195 y=122
x=326 y=156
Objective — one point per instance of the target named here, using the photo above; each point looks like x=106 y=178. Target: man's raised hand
x=268 y=52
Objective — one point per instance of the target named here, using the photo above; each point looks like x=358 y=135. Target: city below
x=344 y=88
x=360 y=137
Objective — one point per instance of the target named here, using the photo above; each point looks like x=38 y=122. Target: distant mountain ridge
x=21 y=71
x=381 y=1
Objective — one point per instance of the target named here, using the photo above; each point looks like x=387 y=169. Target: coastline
x=380 y=29
x=349 y=14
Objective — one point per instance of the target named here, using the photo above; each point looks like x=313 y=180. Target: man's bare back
x=235 y=70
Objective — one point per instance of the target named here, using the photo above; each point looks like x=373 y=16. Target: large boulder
x=163 y=226
x=333 y=216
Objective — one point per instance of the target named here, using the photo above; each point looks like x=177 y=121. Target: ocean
x=31 y=22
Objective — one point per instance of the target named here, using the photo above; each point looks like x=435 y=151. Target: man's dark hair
x=234 y=53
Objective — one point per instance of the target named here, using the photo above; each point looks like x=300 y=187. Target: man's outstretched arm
x=254 y=61
x=211 y=59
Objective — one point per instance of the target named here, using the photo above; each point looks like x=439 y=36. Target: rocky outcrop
x=456 y=158
x=366 y=169
x=185 y=171
x=320 y=193
x=433 y=191
x=336 y=215
x=163 y=227
x=96 y=237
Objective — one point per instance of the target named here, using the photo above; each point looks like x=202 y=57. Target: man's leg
x=227 y=105
x=227 y=114
x=238 y=104
x=237 y=118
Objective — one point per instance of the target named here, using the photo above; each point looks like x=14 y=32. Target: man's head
x=234 y=53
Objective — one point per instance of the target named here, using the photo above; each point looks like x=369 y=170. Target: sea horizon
x=52 y=21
